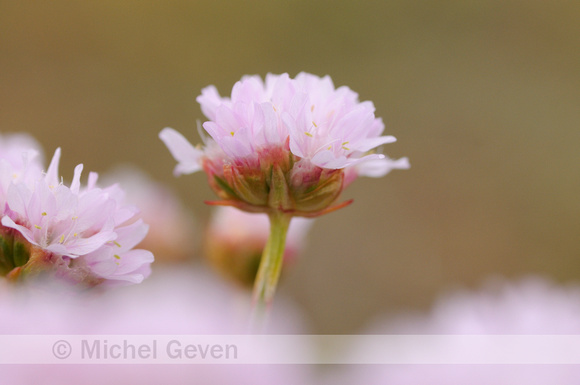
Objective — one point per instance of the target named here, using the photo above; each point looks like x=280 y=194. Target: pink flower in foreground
x=285 y=144
x=235 y=241
x=177 y=301
x=532 y=306
x=82 y=234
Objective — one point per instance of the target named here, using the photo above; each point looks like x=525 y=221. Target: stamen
x=232 y=133
x=309 y=134
x=116 y=244
x=43 y=213
x=38 y=227
x=314 y=124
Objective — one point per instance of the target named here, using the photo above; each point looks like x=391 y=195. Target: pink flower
x=284 y=144
x=177 y=301
x=532 y=306
x=19 y=162
x=235 y=241
x=83 y=234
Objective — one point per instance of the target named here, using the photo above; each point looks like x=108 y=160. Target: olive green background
x=483 y=97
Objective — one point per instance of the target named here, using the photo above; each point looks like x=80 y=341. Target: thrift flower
x=84 y=235
x=286 y=147
x=284 y=144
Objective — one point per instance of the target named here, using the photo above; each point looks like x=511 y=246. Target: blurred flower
x=171 y=226
x=532 y=306
x=284 y=144
x=174 y=301
x=84 y=235
x=235 y=241
x=20 y=162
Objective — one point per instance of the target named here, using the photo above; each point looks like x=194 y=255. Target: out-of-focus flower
x=284 y=144
x=84 y=235
x=532 y=306
x=235 y=241
x=174 y=301
x=20 y=162
x=171 y=226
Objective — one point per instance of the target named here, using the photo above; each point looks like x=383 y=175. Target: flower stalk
x=271 y=262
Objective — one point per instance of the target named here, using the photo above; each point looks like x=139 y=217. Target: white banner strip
x=289 y=349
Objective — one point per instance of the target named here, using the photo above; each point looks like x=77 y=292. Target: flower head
x=284 y=144
x=85 y=235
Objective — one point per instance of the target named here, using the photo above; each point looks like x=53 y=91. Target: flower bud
x=235 y=241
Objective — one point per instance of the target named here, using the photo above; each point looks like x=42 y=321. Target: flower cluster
x=288 y=145
x=82 y=234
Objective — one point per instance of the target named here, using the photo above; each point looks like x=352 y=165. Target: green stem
x=271 y=262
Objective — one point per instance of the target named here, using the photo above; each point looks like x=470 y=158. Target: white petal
x=52 y=172
x=76 y=182
x=376 y=168
x=370 y=143
x=186 y=155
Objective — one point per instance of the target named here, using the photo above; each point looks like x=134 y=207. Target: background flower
x=530 y=306
x=235 y=240
x=172 y=229
x=20 y=162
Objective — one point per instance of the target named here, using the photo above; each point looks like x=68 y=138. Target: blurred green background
x=484 y=98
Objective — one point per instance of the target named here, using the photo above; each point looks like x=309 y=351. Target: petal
x=370 y=143
x=209 y=101
x=17 y=198
x=90 y=244
x=376 y=168
x=130 y=236
x=92 y=182
x=76 y=182
x=8 y=222
x=187 y=156
x=52 y=172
